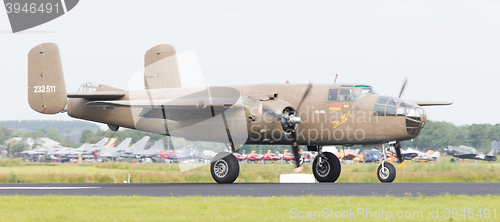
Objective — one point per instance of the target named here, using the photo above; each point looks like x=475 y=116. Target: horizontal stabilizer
x=98 y=95
x=432 y=103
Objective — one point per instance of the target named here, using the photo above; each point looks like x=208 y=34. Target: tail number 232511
x=44 y=89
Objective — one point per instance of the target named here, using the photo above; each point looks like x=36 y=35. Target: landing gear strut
x=326 y=167
x=386 y=172
x=225 y=168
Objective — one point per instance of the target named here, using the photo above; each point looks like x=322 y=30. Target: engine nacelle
x=271 y=120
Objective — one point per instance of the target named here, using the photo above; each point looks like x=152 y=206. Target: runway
x=252 y=189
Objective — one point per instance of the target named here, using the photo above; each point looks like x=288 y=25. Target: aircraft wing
x=175 y=109
x=432 y=103
x=466 y=156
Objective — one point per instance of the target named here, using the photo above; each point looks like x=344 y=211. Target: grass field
x=282 y=208
x=15 y=171
x=119 y=208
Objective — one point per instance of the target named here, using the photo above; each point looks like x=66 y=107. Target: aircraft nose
x=415 y=120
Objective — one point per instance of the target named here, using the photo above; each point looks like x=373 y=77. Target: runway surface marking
x=251 y=189
x=46 y=188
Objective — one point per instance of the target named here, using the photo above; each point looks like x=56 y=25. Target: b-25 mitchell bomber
x=281 y=114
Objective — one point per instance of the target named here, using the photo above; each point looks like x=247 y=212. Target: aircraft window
x=382 y=100
x=391 y=103
x=332 y=94
x=410 y=123
x=402 y=111
x=390 y=111
x=361 y=91
x=413 y=114
x=345 y=95
x=378 y=110
x=407 y=105
x=422 y=111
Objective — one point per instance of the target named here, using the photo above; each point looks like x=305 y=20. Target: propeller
x=396 y=145
x=403 y=87
x=293 y=118
x=398 y=152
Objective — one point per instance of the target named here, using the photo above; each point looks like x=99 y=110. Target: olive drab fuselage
x=332 y=114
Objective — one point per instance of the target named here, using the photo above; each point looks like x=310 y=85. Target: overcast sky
x=449 y=49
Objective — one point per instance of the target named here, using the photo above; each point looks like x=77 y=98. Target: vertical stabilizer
x=46 y=87
x=158 y=146
x=161 y=69
x=102 y=142
x=495 y=146
x=125 y=143
x=111 y=142
x=141 y=144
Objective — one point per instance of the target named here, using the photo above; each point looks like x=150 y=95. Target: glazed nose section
x=415 y=121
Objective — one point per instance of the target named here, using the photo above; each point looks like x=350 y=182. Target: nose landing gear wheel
x=386 y=174
x=326 y=169
x=224 y=168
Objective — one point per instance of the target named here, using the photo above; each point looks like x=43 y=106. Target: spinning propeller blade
x=403 y=87
x=295 y=146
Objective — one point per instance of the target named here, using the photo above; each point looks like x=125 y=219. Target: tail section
x=102 y=142
x=140 y=144
x=436 y=155
x=125 y=143
x=46 y=87
x=111 y=142
x=495 y=146
x=158 y=146
x=160 y=68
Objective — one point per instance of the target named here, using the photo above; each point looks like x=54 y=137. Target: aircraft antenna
x=336 y=75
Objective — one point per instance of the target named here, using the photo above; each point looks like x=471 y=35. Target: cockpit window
x=386 y=106
x=391 y=103
x=333 y=94
x=345 y=95
x=382 y=100
x=360 y=91
x=390 y=111
x=378 y=110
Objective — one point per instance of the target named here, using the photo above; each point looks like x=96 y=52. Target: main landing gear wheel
x=326 y=168
x=224 y=168
x=387 y=173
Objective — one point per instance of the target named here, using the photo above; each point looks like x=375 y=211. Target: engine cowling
x=271 y=120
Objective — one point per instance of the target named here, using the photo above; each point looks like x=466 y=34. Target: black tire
x=224 y=168
x=386 y=176
x=452 y=160
x=329 y=171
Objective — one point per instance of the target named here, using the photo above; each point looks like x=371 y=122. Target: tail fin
x=160 y=68
x=125 y=143
x=139 y=145
x=436 y=155
x=111 y=142
x=495 y=146
x=159 y=146
x=46 y=87
x=102 y=142
x=429 y=152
